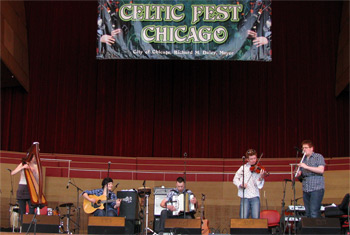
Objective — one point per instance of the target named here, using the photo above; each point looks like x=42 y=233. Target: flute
x=296 y=173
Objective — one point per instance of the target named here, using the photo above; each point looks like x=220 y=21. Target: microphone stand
x=77 y=226
x=107 y=191
x=185 y=155
x=283 y=220
x=11 y=195
x=293 y=187
x=144 y=224
x=242 y=215
x=109 y=166
x=145 y=205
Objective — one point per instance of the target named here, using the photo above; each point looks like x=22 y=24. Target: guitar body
x=205 y=222
x=90 y=207
x=205 y=227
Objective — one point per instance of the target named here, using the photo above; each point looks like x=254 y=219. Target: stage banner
x=184 y=29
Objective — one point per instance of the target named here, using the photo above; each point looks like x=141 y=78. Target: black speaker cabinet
x=183 y=226
x=320 y=226
x=44 y=223
x=106 y=225
x=156 y=224
x=132 y=226
x=129 y=208
x=249 y=226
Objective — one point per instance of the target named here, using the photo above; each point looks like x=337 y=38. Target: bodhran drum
x=142 y=191
x=14 y=218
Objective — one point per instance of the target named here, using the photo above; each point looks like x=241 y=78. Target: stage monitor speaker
x=320 y=226
x=249 y=226
x=129 y=208
x=183 y=226
x=44 y=223
x=106 y=225
x=132 y=226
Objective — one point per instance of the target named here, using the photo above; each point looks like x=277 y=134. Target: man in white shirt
x=249 y=190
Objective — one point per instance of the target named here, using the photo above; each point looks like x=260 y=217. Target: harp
x=34 y=175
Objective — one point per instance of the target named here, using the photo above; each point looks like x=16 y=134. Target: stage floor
x=11 y=233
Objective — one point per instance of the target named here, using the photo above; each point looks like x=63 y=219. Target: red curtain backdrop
x=214 y=109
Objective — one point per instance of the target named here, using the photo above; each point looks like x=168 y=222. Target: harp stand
x=34 y=220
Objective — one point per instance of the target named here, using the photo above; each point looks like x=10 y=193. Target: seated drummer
x=166 y=203
x=107 y=186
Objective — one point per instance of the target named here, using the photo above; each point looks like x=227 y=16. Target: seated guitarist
x=169 y=208
x=106 y=190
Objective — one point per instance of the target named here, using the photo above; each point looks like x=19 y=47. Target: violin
x=257 y=169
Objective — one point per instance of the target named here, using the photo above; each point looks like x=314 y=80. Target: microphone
x=144 y=183
x=9 y=170
x=243 y=157
x=298 y=149
x=185 y=154
x=68 y=184
x=288 y=180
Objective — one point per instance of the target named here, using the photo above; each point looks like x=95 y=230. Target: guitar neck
x=126 y=199
x=107 y=201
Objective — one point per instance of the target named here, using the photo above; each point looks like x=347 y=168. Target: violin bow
x=259 y=158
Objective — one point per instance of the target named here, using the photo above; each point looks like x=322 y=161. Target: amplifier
x=161 y=190
x=159 y=194
x=129 y=210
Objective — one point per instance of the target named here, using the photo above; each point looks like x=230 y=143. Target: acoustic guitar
x=90 y=207
x=205 y=222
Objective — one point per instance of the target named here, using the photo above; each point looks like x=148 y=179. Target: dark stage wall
x=164 y=108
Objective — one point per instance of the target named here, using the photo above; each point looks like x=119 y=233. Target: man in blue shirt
x=106 y=190
x=166 y=203
x=311 y=175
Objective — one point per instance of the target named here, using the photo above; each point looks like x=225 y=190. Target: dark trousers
x=312 y=203
x=22 y=208
x=110 y=212
x=166 y=214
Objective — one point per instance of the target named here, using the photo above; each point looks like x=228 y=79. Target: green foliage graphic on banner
x=178 y=29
